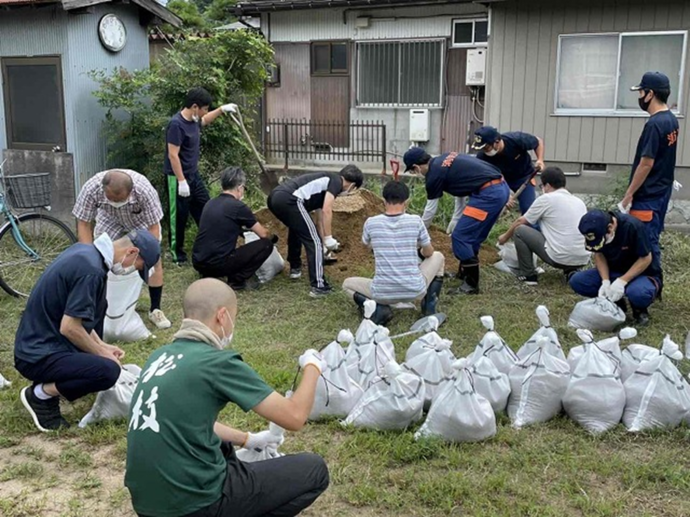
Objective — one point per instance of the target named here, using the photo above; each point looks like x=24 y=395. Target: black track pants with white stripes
x=301 y=232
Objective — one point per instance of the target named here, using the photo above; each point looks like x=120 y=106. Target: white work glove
x=312 y=357
x=604 y=289
x=677 y=185
x=183 y=189
x=617 y=290
x=263 y=440
x=229 y=108
x=623 y=209
x=330 y=243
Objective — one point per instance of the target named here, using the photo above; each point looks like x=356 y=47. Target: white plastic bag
x=610 y=346
x=595 y=397
x=596 y=314
x=656 y=394
x=434 y=364
x=459 y=413
x=393 y=401
x=336 y=393
x=4 y=383
x=493 y=347
x=114 y=402
x=267 y=453
x=537 y=385
x=122 y=322
x=272 y=266
x=428 y=341
x=490 y=383
x=553 y=347
x=370 y=350
x=509 y=256
x=633 y=356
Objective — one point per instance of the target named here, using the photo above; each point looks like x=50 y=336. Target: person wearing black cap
x=510 y=153
x=626 y=267
x=652 y=176
x=462 y=175
x=58 y=343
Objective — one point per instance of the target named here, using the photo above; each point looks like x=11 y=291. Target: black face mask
x=644 y=105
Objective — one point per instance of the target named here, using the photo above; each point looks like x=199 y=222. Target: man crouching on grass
x=180 y=459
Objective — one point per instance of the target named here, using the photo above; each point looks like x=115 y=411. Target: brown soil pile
x=349 y=215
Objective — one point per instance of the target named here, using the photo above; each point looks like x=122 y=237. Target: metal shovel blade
x=423 y=325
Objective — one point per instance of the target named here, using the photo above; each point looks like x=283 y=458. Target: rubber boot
x=623 y=304
x=461 y=272
x=430 y=301
x=641 y=317
x=471 y=283
x=382 y=315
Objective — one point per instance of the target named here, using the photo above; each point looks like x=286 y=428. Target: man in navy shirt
x=652 y=176
x=462 y=175
x=186 y=190
x=58 y=343
x=625 y=264
x=510 y=153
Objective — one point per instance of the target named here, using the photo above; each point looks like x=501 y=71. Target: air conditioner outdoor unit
x=476 y=67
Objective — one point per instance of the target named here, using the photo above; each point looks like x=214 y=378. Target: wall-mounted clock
x=112 y=33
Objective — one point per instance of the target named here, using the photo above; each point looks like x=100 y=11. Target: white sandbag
x=504 y=268
x=267 y=453
x=459 y=413
x=493 y=347
x=656 y=394
x=595 y=397
x=509 y=256
x=428 y=341
x=434 y=364
x=553 y=347
x=611 y=346
x=370 y=350
x=336 y=393
x=596 y=314
x=393 y=401
x=490 y=383
x=633 y=356
x=4 y=383
x=272 y=266
x=122 y=322
x=114 y=402
x=537 y=385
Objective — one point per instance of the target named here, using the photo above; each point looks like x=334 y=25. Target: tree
x=220 y=12
x=189 y=13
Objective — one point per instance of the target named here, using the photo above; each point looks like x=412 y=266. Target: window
x=34 y=110
x=596 y=71
x=329 y=58
x=470 y=33
x=400 y=74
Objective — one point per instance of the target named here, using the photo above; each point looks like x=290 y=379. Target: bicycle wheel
x=45 y=235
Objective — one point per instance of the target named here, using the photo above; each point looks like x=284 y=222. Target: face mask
x=117 y=204
x=609 y=237
x=493 y=152
x=644 y=105
x=119 y=270
x=347 y=192
x=227 y=339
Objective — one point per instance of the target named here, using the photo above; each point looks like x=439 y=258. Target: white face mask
x=195 y=118
x=227 y=339
x=493 y=152
x=117 y=204
x=119 y=270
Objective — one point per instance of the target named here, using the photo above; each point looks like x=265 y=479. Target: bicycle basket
x=28 y=190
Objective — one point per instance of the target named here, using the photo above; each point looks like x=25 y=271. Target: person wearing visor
x=510 y=152
x=652 y=175
x=626 y=267
x=58 y=344
x=462 y=175
x=119 y=201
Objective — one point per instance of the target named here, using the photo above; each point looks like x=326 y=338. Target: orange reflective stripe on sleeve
x=643 y=215
x=475 y=213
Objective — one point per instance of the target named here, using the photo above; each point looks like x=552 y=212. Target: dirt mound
x=355 y=259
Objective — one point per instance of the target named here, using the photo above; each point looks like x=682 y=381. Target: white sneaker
x=159 y=320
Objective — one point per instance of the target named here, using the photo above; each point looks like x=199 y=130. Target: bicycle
x=29 y=241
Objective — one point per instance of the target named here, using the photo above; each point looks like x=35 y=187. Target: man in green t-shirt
x=180 y=459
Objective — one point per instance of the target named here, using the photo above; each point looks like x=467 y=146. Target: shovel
x=425 y=324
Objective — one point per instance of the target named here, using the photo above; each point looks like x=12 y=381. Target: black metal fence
x=305 y=140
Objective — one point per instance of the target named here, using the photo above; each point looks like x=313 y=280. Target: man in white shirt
x=559 y=243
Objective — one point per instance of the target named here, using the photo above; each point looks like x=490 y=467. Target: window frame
x=54 y=60
x=398 y=105
x=474 y=43
x=331 y=72
x=614 y=111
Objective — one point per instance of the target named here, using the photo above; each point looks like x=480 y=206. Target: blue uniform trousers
x=528 y=195
x=652 y=212
x=641 y=292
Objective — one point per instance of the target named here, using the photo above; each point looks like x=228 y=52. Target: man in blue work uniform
x=625 y=264
x=652 y=176
x=460 y=176
x=510 y=153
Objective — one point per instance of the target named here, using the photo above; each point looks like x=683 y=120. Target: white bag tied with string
x=421 y=345
x=272 y=266
x=490 y=383
x=596 y=314
x=114 y=402
x=433 y=363
x=267 y=453
x=493 y=347
x=122 y=322
x=537 y=383
x=370 y=351
x=459 y=413
x=656 y=394
x=610 y=346
x=633 y=356
x=4 y=383
x=336 y=393
x=595 y=397
x=553 y=347
x=392 y=402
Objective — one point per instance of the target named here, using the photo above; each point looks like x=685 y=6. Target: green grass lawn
x=551 y=469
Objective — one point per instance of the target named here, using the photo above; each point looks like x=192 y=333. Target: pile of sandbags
x=553 y=346
x=597 y=314
x=611 y=346
x=494 y=348
x=430 y=358
x=114 y=402
x=267 y=453
x=490 y=382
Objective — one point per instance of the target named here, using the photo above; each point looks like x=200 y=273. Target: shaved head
x=204 y=298
x=117 y=185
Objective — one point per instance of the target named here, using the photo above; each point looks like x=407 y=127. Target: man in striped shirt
x=398 y=239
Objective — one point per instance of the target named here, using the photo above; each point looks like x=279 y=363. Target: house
x=49 y=119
